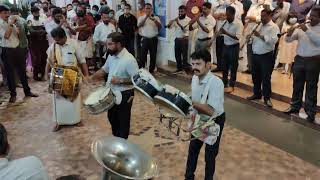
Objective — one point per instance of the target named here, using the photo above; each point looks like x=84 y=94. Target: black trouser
x=138 y=46
x=39 y=57
x=119 y=115
x=305 y=71
x=249 y=56
x=149 y=45
x=14 y=59
x=129 y=44
x=211 y=153
x=181 y=51
x=219 y=51
x=262 y=67
x=230 y=63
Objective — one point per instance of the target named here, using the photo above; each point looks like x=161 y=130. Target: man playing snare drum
x=207 y=101
x=64 y=51
x=121 y=66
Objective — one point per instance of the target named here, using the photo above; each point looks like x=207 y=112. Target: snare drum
x=65 y=81
x=146 y=84
x=100 y=100
x=173 y=100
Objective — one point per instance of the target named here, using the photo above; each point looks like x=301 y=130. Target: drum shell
x=101 y=106
x=145 y=86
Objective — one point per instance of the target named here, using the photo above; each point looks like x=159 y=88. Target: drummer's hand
x=115 y=80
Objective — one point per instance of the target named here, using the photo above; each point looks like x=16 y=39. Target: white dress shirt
x=149 y=29
x=40 y=22
x=71 y=14
x=13 y=40
x=254 y=11
x=122 y=65
x=102 y=31
x=218 y=10
x=215 y=97
x=270 y=33
x=235 y=28
x=178 y=31
x=209 y=22
x=118 y=14
x=70 y=53
x=28 y=168
x=239 y=9
x=308 y=42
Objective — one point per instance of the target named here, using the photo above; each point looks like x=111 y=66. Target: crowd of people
x=267 y=34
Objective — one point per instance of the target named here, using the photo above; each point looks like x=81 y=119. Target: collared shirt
x=150 y=29
x=128 y=25
x=239 y=9
x=234 y=28
x=33 y=22
x=215 y=97
x=102 y=31
x=13 y=40
x=50 y=25
x=301 y=9
x=270 y=33
x=123 y=65
x=71 y=14
x=180 y=33
x=254 y=11
x=70 y=53
x=218 y=9
x=209 y=22
x=308 y=42
x=28 y=168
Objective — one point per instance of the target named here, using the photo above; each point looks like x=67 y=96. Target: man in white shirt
x=232 y=34
x=38 y=44
x=264 y=40
x=101 y=32
x=28 y=168
x=306 y=65
x=120 y=66
x=181 y=42
x=149 y=26
x=205 y=25
x=121 y=10
x=207 y=102
x=13 y=54
x=71 y=13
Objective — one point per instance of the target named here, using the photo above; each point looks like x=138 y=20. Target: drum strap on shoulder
x=57 y=54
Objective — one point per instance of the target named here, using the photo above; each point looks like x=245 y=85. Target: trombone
x=295 y=27
x=250 y=35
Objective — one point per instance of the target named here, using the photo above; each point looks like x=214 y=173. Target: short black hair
x=231 y=10
x=56 y=11
x=4 y=145
x=95 y=7
x=117 y=38
x=207 y=5
x=128 y=5
x=4 y=8
x=71 y=177
x=202 y=54
x=183 y=7
x=69 y=5
x=267 y=11
x=148 y=4
x=15 y=10
x=58 y=32
x=34 y=9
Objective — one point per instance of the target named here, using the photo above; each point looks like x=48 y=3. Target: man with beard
x=306 y=65
x=208 y=102
x=38 y=44
x=100 y=35
x=182 y=39
x=58 y=20
x=121 y=66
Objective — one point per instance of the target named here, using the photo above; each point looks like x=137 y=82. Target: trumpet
x=250 y=35
x=295 y=27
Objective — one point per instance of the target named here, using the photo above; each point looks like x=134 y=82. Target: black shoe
x=216 y=70
x=291 y=110
x=12 y=99
x=31 y=95
x=268 y=103
x=253 y=97
x=310 y=119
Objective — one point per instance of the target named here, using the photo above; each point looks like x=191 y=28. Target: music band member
x=121 y=66
x=306 y=67
x=208 y=101
x=149 y=26
x=231 y=31
x=264 y=40
x=65 y=51
x=13 y=54
x=181 y=42
x=205 y=23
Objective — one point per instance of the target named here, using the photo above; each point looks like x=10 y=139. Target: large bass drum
x=146 y=84
x=173 y=100
x=100 y=100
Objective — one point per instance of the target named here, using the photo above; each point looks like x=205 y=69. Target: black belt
x=149 y=38
x=310 y=58
x=205 y=39
x=271 y=52
x=231 y=46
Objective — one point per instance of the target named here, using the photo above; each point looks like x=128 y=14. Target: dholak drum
x=173 y=100
x=65 y=81
x=100 y=100
x=146 y=84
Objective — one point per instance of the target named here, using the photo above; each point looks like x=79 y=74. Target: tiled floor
x=241 y=157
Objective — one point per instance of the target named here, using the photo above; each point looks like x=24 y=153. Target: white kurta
x=66 y=112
